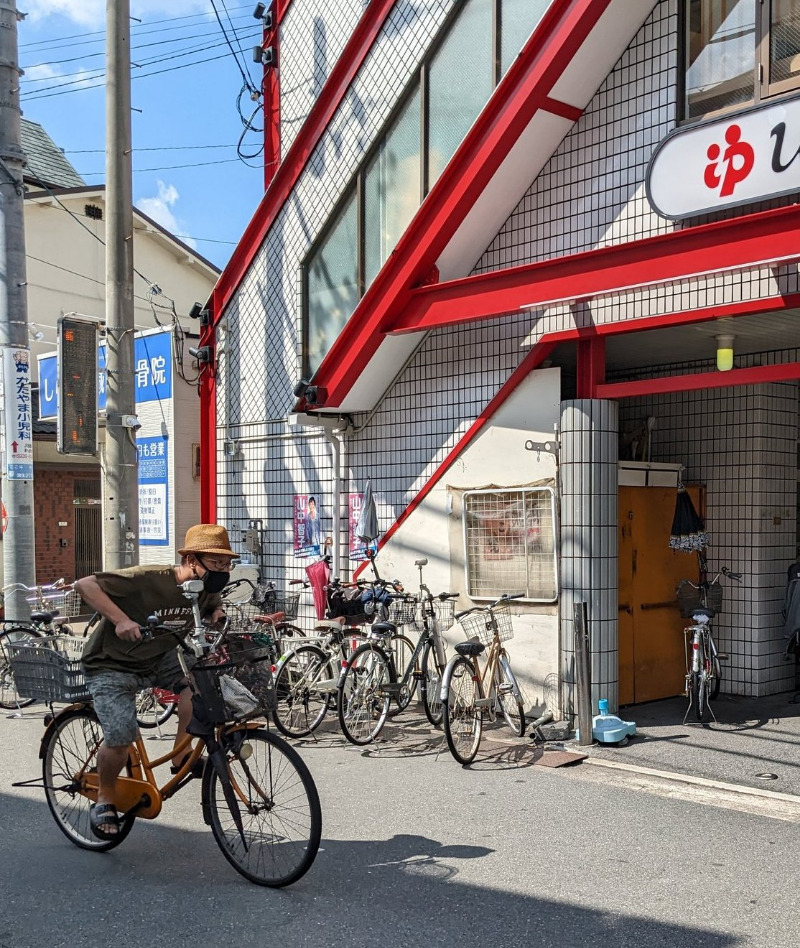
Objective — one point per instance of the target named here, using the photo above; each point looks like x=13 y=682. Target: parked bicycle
x=471 y=691
x=257 y=794
x=45 y=622
x=265 y=599
x=702 y=602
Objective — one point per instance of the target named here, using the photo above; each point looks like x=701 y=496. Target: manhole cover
x=766 y=776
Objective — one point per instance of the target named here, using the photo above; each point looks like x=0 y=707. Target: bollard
x=583 y=674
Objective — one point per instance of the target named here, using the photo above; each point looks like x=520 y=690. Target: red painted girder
x=524 y=91
x=710 y=248
x=788 y=371
x=287 y=174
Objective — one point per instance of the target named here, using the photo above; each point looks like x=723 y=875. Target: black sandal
x=104 y=814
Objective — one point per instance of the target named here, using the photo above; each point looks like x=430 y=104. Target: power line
x=102 y=52
x=245 y=77
x=198 y=164
x=61 y=42
x=102 y=151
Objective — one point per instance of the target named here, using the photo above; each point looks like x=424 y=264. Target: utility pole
x=120 y=481
x=16 y=417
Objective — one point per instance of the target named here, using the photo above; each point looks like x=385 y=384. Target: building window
x=738 y=52
x=510 y=543
x=432 y=118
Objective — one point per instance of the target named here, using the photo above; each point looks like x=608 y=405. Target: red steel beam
x=525 y=91
x=786 y=372
x=767 y=236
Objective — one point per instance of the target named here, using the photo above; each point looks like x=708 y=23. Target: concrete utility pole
x=120 y=482
x=16 y=417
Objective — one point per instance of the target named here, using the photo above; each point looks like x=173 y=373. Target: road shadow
x=168 y=883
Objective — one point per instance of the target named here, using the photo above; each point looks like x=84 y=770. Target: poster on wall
x=153 y=493
x=357 y=546
x=307 y=526
x=16 y=416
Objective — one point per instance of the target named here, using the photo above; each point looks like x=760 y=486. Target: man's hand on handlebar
x=128 y=630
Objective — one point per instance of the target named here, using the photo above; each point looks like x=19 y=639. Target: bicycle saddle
x=383 y=628
x=43 y=616
x=470 y=648
x=706 y=613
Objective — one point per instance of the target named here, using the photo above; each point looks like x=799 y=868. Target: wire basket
x=66 y=602
x=403 y=611
x=235 y=684
x=690 y=599
x=49 y=670
x=268 y=601
x=445 y=610
x=477 y=625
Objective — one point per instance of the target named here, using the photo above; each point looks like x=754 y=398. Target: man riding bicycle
x=118 y=663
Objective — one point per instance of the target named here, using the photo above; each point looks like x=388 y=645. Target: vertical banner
x=16 y=418
x=307 y=526
x=153 y=492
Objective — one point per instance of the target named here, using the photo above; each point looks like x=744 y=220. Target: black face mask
x=214 y=581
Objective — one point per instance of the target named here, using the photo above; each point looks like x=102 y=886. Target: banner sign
x=307 y=526
x=152 y=368
x=153 y=491
x=741 y=159
x=16 y=415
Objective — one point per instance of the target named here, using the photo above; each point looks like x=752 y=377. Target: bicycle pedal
x=504 y=688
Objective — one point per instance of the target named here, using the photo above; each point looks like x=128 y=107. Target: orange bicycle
x=258 y=796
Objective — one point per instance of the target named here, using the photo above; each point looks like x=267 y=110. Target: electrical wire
x=245 y=76
x=197 y=164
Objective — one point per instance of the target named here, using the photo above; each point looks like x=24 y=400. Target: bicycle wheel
x=402 y=651
x=303 y=684
x=695 y=705
x=508 y=695
x=70 y=751
x=153 y=707
x=279 y=809
x=432 y=686
x=362 y=699
x=9 y=697
x=463 y=724
x=715 y=678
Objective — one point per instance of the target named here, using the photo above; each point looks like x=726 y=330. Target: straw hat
x=207 y=538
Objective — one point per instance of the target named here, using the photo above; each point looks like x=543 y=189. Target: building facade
x=528 y=267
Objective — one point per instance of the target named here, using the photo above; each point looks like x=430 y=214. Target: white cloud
x=160 y=209
x=92 y=13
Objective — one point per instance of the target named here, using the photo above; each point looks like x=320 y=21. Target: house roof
x=46 y=163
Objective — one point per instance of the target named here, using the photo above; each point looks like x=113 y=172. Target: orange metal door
x=652 y=664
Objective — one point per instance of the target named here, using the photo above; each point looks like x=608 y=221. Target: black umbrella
x=367 y=526
x=688 y=533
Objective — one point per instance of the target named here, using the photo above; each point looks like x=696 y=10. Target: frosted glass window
x=784 y=40
x=720 y=55
x=332 y=286
x=518 y=19
x=460 y=83
x=392 y=188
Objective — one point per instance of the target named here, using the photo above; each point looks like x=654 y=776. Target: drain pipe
x=337 y=437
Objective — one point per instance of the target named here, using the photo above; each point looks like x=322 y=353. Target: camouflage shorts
x=114 y=696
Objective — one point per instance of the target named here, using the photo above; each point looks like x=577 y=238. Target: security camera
x=203 y=355
x=300 y=389
x=132 y=422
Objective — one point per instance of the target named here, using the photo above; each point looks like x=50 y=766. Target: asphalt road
x=418 y=851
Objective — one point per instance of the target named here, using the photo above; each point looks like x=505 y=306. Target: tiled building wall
x=741 y=443
x=54 y=493
x=266 y=462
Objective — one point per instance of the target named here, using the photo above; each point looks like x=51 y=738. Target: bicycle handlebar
x=506 y=597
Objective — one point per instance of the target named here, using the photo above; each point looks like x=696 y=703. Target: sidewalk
x=754 y=742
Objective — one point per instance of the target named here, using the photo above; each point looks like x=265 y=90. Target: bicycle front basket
x=235 y=683
x=49 y=670
x=690 y=599
x=403 y=611
x=269 y=601
x=477 y=625
x=445 y=610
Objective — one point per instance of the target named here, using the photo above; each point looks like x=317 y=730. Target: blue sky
x=184 y=95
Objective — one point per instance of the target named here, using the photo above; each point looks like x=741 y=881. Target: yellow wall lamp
x=725 y=352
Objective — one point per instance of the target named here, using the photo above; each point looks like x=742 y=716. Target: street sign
x=16 y=417
x=77 y=386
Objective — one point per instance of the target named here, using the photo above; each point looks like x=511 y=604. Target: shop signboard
x=153 y=491
x=741 y=159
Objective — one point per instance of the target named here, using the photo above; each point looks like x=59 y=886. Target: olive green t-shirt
x=141 y=591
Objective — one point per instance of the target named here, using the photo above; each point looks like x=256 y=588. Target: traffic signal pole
x=16 y=416
x=120 y=480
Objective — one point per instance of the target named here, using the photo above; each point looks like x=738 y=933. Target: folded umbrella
x=688 y=534
x=367 y=526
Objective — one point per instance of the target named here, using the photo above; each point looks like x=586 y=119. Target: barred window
x=510 y=543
